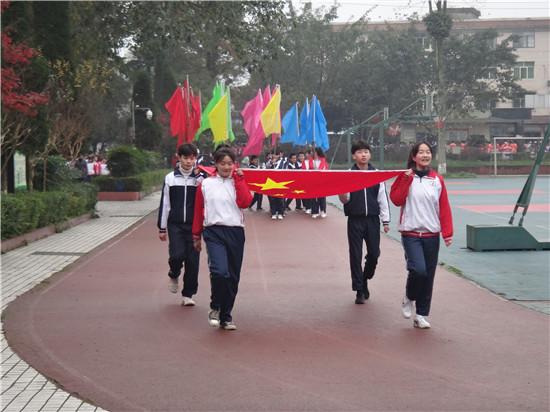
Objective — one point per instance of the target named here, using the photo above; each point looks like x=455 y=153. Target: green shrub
x=58 y=174
x=138 y=183
x=24 y=212
x=125 y=161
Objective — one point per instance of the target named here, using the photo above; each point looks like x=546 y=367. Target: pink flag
x=252 y=125
x=251 y=113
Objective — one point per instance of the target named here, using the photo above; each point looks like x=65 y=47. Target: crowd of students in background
x=308 y=160
x=90 y=166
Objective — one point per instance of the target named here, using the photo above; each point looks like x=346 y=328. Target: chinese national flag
x=308 y=184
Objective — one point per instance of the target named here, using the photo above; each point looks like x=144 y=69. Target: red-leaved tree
x=19 y=104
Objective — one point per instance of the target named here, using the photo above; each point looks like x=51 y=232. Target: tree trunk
x=28 y=173
x=442 y=109
x=45 y=174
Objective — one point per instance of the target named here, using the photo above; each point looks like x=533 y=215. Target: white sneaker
x=315 y=215
x=214 y=318
x=308 y=211
x=228 y=326
x=187 y=301
x=274 y=217
x=323 y=214
x=406 y=308
x=421 y=322
x=173 y=285
x=280 y=217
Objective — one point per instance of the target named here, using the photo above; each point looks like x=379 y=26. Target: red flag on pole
x=185 y=113
x=176 y=108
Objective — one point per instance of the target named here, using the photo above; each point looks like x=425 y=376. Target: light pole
x=148 y=115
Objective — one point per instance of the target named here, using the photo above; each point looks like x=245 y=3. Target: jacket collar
x=371 y=167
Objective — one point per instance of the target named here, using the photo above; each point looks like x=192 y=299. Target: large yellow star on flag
x=272 y=184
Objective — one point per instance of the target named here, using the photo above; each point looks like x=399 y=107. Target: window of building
x=425 y=42
x=524 y=70
x=518 y=102
x=537 y=101
x=524 y=40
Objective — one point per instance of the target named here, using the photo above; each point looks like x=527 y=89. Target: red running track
x=108 y=330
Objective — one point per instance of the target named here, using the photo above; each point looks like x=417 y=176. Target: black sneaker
x=366 y=292
x=359 y=298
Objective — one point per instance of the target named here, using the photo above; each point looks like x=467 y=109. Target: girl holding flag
x=219 y=219
x=425 y=216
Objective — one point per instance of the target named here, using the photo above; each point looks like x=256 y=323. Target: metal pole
x=381 y=131
x=495 y=156
x=133 y=121
x=349 y=147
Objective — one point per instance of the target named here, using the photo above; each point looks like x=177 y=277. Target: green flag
x=231 y=135
x=217 y=94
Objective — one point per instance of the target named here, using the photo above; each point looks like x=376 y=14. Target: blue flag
x=318 y=132
x=291 y=130
x=304 y=125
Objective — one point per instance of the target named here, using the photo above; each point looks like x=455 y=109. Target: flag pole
x=188 y=115
x=314 y=99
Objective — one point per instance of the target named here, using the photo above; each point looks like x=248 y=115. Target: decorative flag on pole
x=185 y=113
x=251 y=123
x=304 y=122
x=319 y=125
x=307 y=184
x=290 y=125
x=230 y=134
x=218 y=120
x=217 y=94
x=195 y=122
x=271 y=116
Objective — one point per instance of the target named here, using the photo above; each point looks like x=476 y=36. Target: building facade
x=528 y=115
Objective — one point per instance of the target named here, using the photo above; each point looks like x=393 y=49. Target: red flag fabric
x=308 y=184
x=176 y=108
x=195 y=121
x=185 y=113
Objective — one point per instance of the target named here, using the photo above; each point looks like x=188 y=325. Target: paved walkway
x=23 y=388
x=301 y=345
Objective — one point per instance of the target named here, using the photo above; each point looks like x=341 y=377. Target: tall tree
x=52 y=30
x=439 y=24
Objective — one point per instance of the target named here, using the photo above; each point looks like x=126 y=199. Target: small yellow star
x=278 y=195
x=298 y=191
x=271 y=184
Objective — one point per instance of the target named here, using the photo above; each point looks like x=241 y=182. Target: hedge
x=142 y=182
x=127 y=161
x=25 y=211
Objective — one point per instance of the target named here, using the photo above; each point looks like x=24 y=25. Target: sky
x=400 y=9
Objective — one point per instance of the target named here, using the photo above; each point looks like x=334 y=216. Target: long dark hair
x=414 y=151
